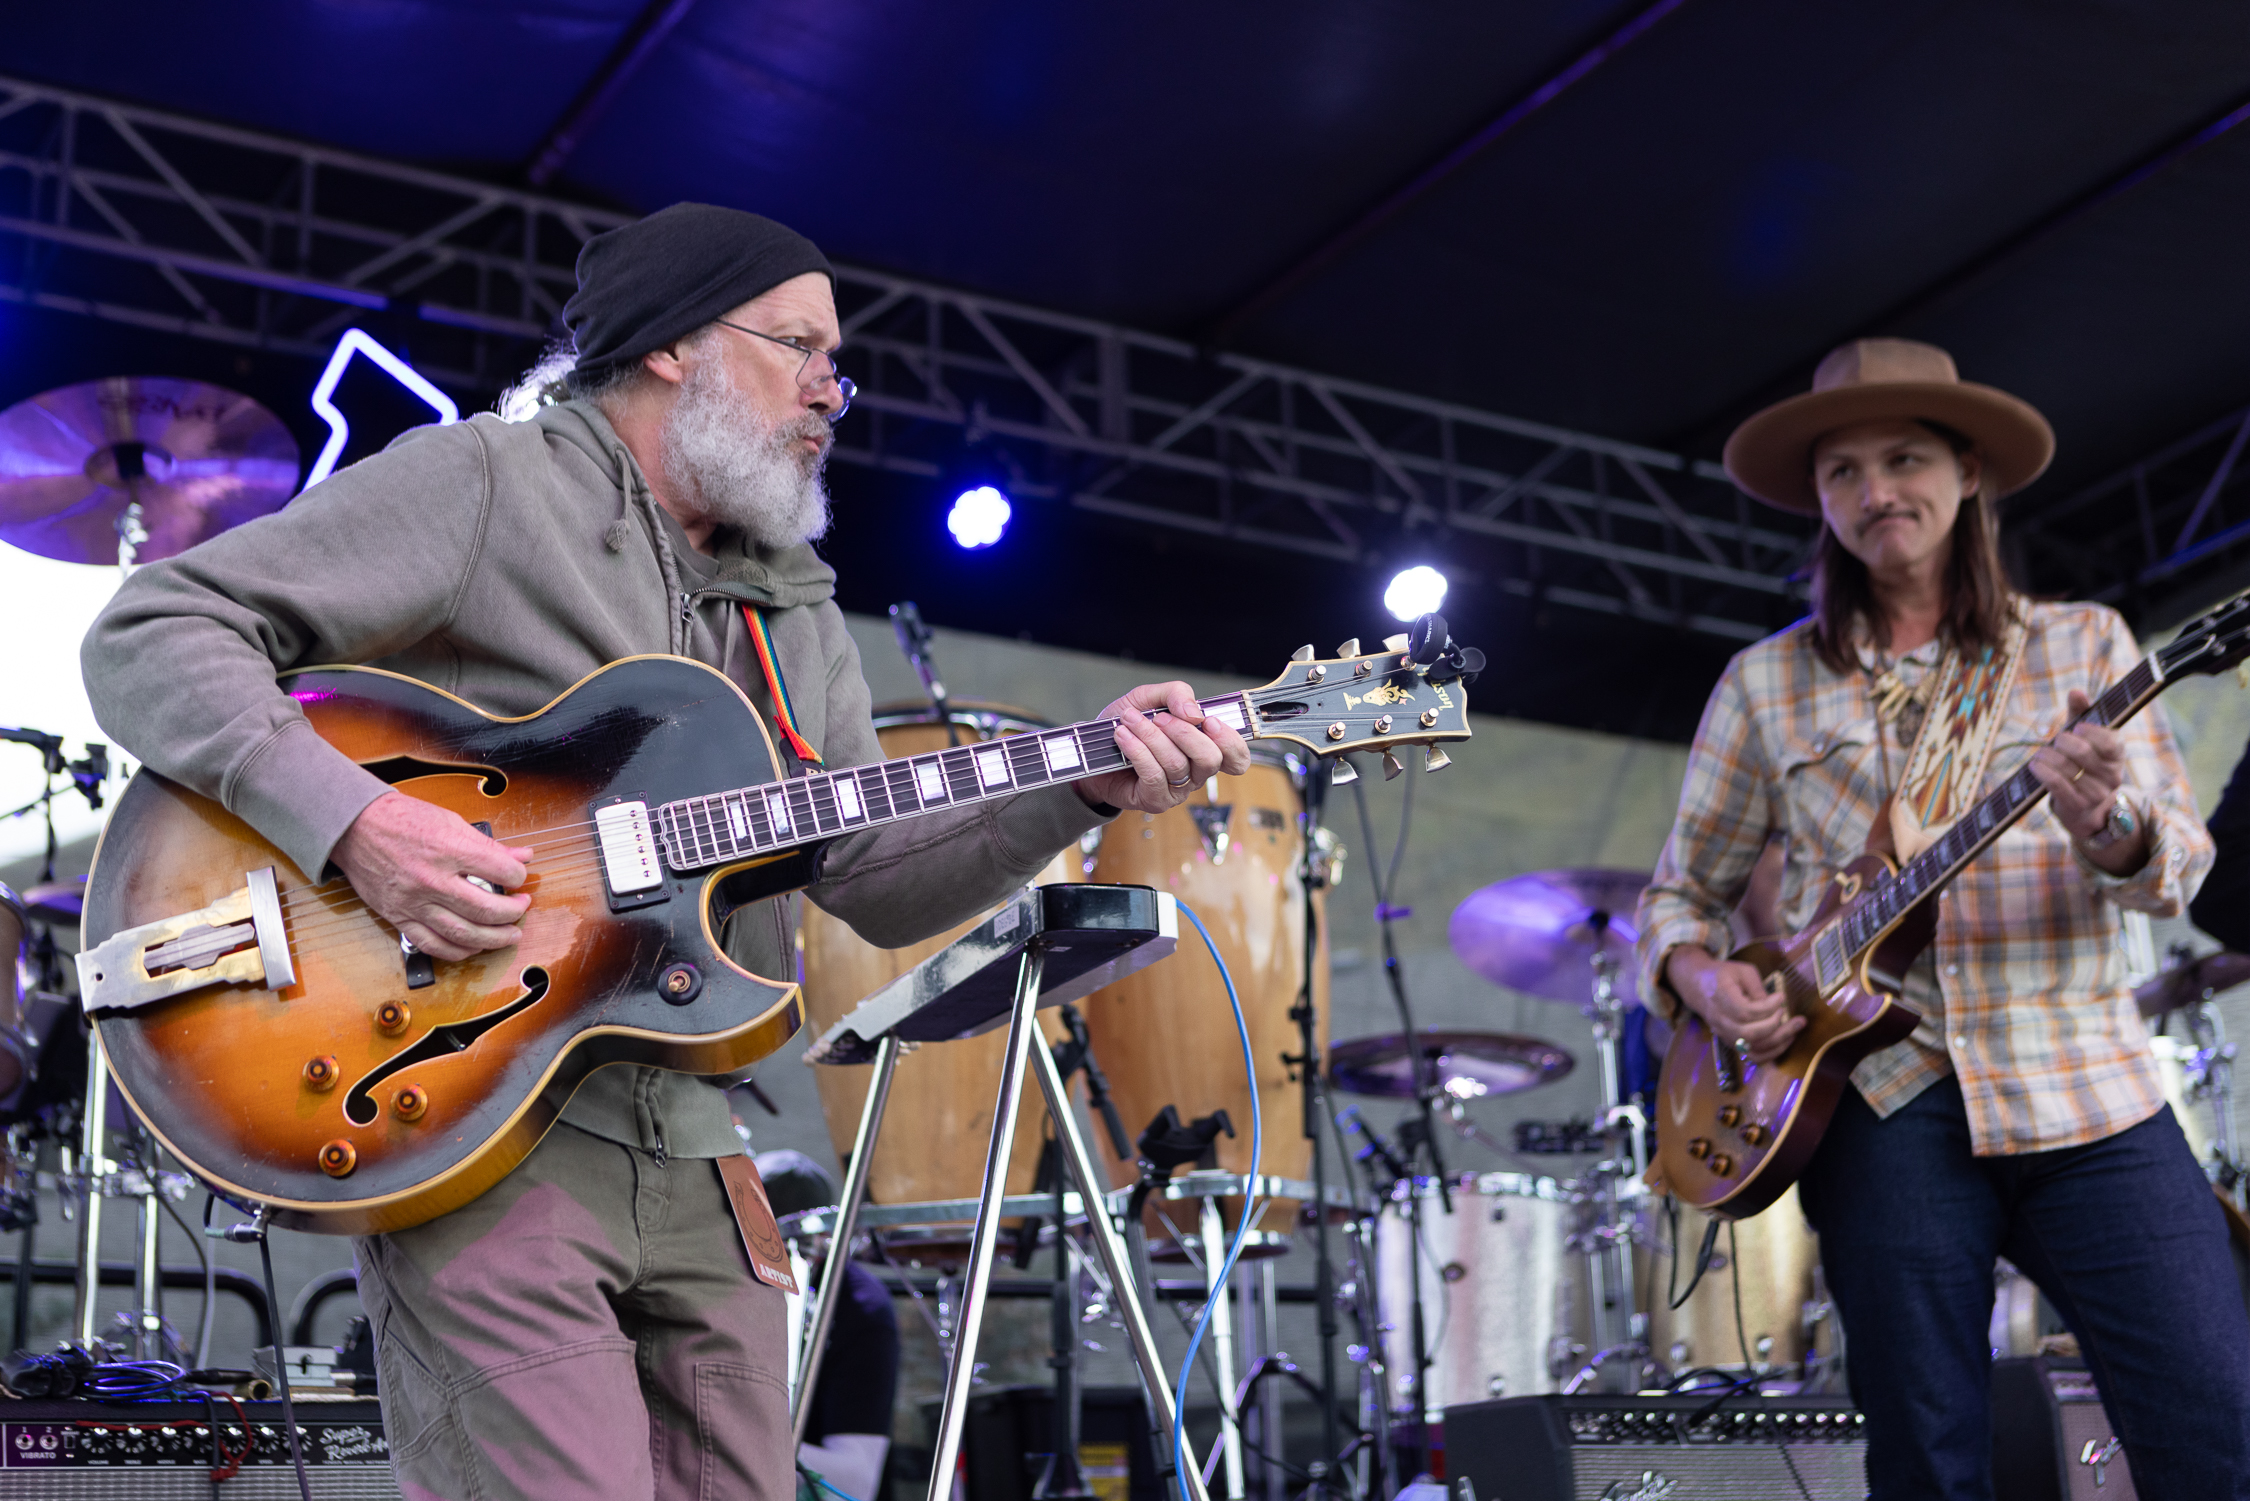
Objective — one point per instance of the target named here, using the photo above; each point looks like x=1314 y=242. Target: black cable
x=1702 y=1261
x=210 y=1281
x=281 y=1369
x=1734 y=1270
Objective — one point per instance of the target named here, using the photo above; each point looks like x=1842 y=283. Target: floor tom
x=1502 y=1293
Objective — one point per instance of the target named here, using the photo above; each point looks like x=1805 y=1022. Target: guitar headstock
x=2212 y=643
x=1412 y=692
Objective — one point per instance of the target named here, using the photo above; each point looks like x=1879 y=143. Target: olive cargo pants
x=588 y=1328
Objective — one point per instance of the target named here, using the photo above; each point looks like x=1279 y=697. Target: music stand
x=1046 y=945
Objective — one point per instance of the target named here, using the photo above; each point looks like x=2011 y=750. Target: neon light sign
x=357 y=341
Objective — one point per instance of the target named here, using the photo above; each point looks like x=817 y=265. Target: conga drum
x=1234 y=852
x=939 y=1119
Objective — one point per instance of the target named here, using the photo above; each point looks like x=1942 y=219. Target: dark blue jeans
x=2124 y=1237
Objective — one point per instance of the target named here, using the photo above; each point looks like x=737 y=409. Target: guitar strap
x=1945 y=770
x=784 y=712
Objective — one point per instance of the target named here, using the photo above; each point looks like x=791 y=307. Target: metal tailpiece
x=237 y=940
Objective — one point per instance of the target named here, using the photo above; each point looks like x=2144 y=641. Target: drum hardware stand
x=950 y=994
x=1417 y=1133
x=1620 y=1328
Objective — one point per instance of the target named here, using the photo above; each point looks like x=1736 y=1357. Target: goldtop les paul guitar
x=1732 y=1136
x=281 y=1043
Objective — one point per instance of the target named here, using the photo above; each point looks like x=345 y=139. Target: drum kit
x=108 y=473
x=1521 y=1282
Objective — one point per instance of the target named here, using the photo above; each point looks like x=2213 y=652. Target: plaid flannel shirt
x=2023 y=993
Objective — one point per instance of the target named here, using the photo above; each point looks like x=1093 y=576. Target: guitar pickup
x=632 y=866
x=237 y=940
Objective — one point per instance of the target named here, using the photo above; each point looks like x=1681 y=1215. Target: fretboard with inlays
x=699 y=832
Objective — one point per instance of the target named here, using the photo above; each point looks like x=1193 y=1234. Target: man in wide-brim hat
x=2024 y=1117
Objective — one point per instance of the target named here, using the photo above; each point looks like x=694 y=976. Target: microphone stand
x=1418 y=1134
x=914 y=640
x=1312 y=1073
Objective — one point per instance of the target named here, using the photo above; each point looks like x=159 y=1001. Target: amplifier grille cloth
x=186 y=1483
x=1722 y=1472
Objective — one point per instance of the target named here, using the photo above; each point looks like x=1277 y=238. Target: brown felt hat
x=1879 y=380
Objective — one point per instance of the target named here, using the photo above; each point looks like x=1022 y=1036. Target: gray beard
x=739 y=468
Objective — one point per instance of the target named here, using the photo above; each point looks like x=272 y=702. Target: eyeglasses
x=845 y=389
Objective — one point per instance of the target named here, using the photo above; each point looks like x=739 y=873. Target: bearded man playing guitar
x=2023 y=1117
x=592 y=1326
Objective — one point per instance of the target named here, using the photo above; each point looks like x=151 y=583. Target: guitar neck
x=714 y=829
x=1927 y=873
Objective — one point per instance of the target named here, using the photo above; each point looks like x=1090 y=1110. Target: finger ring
x=1742 y=1047
x=1186 y=781
x=2081 y=771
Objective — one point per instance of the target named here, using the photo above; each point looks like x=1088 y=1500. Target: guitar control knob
x=1730 y=1116
x=411 y=1103
x=1699 y=1147
x=321 y=1073
x=393 y=1017
x=1756 y=1135
x=1720 y=1164
x=338 y=1158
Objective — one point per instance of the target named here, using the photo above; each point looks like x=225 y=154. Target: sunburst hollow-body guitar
x=282 y=1043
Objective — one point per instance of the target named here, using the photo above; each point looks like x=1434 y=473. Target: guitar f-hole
x=439 y=1042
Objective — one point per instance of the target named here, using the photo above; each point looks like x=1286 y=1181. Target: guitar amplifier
x=2051 y=1436
x=161 y=1451
x=1620 y=1448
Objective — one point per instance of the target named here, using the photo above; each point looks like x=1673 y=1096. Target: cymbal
x=1469 y=1064
x=56 y=901
x=2184 y=984
x=199 y=459
x=1539 y=932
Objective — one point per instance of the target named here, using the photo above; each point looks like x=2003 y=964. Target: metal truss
x=2161 y=538
x=141 y=217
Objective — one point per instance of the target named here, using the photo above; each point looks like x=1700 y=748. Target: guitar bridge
x=237 y=940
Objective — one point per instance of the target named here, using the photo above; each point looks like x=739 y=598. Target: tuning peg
x=1435 y=759
x=1395 y=643
x=1341 y=773
x=1349 y=648
x=1391 y=767
x=1302 y=654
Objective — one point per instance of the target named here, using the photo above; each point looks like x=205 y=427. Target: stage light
x=978 y=516
x=1415 y=592
x=357 y=341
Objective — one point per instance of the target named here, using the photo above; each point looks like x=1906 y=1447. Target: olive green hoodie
x=503 y=562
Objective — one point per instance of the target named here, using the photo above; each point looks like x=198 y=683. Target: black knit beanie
x=658 y=279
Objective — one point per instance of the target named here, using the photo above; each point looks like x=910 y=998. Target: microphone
x=49 y=746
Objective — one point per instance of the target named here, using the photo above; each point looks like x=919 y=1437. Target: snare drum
x=1166 y=1036
x=1502 y=1295
x=939 y=1118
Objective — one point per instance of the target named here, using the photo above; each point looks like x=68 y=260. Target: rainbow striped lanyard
x=783 y=710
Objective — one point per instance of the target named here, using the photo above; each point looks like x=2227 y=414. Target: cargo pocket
x=743 y=1433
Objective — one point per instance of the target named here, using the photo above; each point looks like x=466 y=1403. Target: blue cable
x=1241 y=1231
